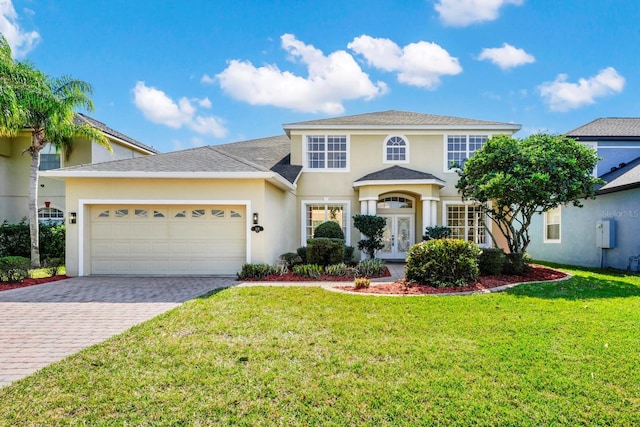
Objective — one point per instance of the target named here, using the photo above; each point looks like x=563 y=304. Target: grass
x=564 y=353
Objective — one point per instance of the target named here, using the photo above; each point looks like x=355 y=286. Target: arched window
x=396 y=150
x=50 y=216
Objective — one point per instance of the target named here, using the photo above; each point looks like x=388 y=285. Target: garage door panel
x=167 y=239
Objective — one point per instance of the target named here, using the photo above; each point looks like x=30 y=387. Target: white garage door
x=185 y=240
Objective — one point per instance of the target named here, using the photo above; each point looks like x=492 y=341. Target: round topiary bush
x=443 y=263
x=491 y=261
x=329 y=229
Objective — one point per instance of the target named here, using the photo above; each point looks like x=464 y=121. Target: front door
x=398 y=237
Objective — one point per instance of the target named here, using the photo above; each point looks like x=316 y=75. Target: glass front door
x=398 y=236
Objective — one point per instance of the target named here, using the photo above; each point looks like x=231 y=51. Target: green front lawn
x=565 y=353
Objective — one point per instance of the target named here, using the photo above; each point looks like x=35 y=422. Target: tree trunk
x=34 y=226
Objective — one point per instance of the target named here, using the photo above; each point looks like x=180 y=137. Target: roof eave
x=437 y=182
x=505 y=127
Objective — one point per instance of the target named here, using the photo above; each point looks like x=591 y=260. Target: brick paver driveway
x=42 y=324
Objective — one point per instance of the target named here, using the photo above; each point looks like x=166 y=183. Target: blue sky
x=179 y=74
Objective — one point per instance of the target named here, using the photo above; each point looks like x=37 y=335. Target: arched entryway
x=399 y=210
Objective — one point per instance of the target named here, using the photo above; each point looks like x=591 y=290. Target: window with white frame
x=326 y=152
x=50 y=216
x=466 y=222
x=396 y=150
x=552 y=220
x=462 y=147
x=315 y=213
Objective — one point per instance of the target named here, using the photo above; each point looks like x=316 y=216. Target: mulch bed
x=5 y=286
x=537 y=273
x=290 y=277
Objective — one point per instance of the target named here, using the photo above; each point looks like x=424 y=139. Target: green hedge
x=15 y=240
x=443 y=263
x=13 y=269
x=325 y=251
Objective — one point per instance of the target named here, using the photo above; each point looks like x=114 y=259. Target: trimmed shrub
x=255 y=271
x=279 y=269
x=372 y=226
x=437 y=232
x=52 y=266
x=52 y=241
x=361 y=283
x=325 y=251
x=443 y=263
x=348 y=254
x=308 y=270
x=371 y=267
x=14 y=268
x=15 y=240
x=491 y=261
x=515 y=263
x=290 y=259
x=302 y=253
x=328 y=229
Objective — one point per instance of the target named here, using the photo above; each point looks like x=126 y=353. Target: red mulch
x=5 y=286
x=290 y=277
x=537 y=273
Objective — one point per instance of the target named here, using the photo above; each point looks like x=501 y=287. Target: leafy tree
x=372 y=227
x=30 y=100
x=513 y=179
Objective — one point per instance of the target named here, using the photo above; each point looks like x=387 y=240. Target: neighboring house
x=606 y=231
x=192 y=211
x=15 y=164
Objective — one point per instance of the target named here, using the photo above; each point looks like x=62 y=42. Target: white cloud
x=204 y=103
x=507 y=56
x=561 y=95
x=208 y=79
x=331 y=80
x=418 y=64
x=160 y=108
x=460 y=13
x=21 y=42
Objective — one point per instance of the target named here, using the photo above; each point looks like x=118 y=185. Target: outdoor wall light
x=72 y=217
x=257 y=228
x=255 y=218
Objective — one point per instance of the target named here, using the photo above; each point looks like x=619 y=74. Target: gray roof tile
x=609 y=126
x=622 y=178
x=397 y=118
x=84 y=119
x=398 y=173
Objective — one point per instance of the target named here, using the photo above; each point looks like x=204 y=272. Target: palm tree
x=45 y=107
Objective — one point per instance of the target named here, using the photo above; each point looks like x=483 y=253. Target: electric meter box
x=606 y=234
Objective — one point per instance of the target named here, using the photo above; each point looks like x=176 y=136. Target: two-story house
x=606 y=231
x=15 y=164
x=194 y=211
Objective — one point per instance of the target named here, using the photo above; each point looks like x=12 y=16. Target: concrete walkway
x=43 y=324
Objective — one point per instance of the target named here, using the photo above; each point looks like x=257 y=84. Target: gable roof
x=623 y=178
x=398 y=174
x=620 y=127
x=224 y=161
x=394 y=119
x=80 y=118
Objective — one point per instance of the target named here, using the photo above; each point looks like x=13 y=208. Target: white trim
x=461 y=127
x=85 y=203
x=433 y=199
x=435 y=181
x=406 y=150
x=277 y=179
x=325 y=201
x=447 y=203
x=306 y=168
x=544 y=229
x=366 y=199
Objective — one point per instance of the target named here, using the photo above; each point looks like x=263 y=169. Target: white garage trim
x=84 y=203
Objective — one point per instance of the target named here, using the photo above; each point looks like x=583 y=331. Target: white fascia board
x=400 y=182
x=271 y=176
x=509 y=127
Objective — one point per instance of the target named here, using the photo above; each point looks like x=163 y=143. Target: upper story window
x=327 y=152
x=396 y=150
x=49 y=161
x=462 y=147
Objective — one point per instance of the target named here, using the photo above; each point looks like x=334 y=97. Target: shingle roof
x=259 y=155
x=398 y=173
x=83 y=119
x=622 y=178
x=398 y=118
x=609 y=126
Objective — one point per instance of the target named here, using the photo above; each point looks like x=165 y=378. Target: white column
x=434 y=213
x=363 y=207
x=372 y=207
x=426 y=214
